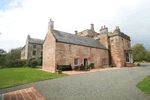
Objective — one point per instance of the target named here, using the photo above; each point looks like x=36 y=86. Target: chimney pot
x=51 y=24
x=101 y=27
x=92 y=27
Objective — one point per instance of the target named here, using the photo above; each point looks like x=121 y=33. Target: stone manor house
x=88 y=46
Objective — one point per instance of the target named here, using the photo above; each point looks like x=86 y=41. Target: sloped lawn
x=144 y=85
x=17 y=76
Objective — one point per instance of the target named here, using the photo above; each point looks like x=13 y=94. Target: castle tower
x=121 y=53
x=104 y=35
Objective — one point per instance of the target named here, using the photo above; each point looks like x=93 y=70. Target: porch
x=129 y=58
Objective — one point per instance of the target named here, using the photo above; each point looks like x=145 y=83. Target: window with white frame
x=127 y=58
x=76 y=62
x=112 y=42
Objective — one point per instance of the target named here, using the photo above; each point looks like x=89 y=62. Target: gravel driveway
x=118 y=84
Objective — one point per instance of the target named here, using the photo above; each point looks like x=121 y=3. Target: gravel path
x=118 y=84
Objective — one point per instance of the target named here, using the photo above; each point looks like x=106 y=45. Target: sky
x=18 y=18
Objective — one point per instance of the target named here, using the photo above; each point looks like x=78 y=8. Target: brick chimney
x=76 y=32
x=50 y=25
x=92 y=27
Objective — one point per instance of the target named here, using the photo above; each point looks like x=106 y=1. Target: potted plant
x=138 y=64
x=60 y=68
x=81 y=67
x=102 y=67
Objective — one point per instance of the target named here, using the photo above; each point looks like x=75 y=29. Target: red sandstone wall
x=65 y=57
x=117 y=51
x=104 y=41
x=49 y=52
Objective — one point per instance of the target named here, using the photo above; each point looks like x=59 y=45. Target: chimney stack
x=51 y=24
x=117 y=27
x=92 y=27
x=28 y=36
x=76 y=32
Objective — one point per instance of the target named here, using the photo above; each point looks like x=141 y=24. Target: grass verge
x=144 y=85
x=17 y=76
x=138 y=62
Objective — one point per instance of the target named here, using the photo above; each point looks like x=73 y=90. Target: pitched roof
x=75 y=39
x=36 y=41
x=23 y=47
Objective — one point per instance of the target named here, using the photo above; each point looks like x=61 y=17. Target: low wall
x=130 y=65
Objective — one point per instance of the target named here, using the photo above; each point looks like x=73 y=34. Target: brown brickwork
x=49 y=52
x=24 y=94
x=65 y=57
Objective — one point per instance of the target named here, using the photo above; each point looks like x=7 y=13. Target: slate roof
x=23 y=47
x=36 y=41
x=75 y=39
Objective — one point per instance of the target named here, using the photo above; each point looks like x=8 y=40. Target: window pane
x=34 y=46
x=69 y=48
x=34 y=52
x=75 y=61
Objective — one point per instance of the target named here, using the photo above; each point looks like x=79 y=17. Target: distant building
x=32 y=49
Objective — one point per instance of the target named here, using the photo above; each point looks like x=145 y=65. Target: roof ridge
x=77 y=35
x=36 y=39
x=76 y=39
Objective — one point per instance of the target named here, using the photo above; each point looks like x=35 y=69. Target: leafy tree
x=12 y=55
x=139 y=52
x=147 y=56
x=2 y=51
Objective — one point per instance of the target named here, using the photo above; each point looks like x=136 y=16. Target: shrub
x=60 y=68
x=34 y=63
x=29 y=62
x=138 y=64
x=112 y=65
x=8 y=64
x=102 y=67
x=16 y=63
x=92 y=66
x=143 y=61
x=81 y=67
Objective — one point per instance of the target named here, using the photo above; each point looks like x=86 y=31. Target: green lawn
x=138 y=62
x=144 y=85
x=16 y=76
